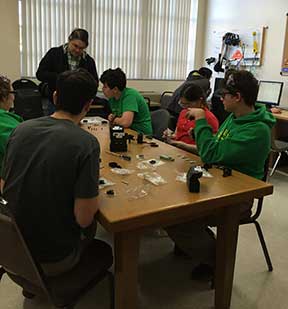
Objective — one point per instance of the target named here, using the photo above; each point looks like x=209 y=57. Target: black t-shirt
x=49 y=162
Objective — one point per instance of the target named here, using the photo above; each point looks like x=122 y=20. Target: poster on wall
x=235 y=47
x=284 y=69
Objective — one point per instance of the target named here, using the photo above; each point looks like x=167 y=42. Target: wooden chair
x=63 y=290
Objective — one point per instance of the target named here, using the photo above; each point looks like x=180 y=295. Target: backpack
x=28 y=102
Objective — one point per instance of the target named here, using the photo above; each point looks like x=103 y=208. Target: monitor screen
x=219 y=81
x=269 y=92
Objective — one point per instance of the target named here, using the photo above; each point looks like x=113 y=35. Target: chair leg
x=111 y=287
x=2 y=272
x=275 y=164
x=27 y=294
x=263 y=244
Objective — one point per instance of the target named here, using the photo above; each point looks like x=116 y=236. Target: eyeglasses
x=224 y=93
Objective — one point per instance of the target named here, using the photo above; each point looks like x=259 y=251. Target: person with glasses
x=191 y=96
x=199 y=77
x=243 y=144
x=70 y=56
x=8 y=120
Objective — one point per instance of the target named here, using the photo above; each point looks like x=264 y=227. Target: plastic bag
x=149 y=164
x=137 y=192
x=104 y=182
x=122 y=171
x=153 y=177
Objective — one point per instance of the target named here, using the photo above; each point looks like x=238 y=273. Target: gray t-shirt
x=48 y=163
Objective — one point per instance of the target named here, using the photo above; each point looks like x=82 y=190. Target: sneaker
x=179 y=252
x=203 y=272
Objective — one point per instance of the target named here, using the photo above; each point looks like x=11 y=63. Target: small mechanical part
x=110 y=192
x=130 y=138
x=124 y=157
x=207 y=166
x=192 y=180
x=140 y=157
x=166 y=158
x=140 y=138
x=227 y=171
x=153 y=144
x=114 y=165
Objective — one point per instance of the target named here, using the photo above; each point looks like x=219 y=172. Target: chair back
x=15 y=256
x=257 y=213
x=160 y=122
x=277 y=145
x=148 y=101
x=165 y=99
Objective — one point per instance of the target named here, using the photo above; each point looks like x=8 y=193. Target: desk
x=282 y=116
x=169 y=204
x=281 y=127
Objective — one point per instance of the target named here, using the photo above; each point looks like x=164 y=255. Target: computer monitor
x=219 y=83
x=269 y=92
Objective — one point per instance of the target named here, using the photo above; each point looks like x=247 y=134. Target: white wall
x=9 y=36
x=253 y=14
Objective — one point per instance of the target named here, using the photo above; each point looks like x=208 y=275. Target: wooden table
x=168 y=204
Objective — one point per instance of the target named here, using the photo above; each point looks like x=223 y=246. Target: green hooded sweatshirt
x=241 y=143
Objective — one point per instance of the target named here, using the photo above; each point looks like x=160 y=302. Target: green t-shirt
x=8 y=122
x=131 y=100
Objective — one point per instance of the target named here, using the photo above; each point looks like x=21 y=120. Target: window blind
x=148 y=39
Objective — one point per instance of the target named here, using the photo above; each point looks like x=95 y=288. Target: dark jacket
x=174 y=108
x=55 y=62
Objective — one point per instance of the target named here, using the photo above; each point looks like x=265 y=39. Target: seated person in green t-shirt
x=128 y=106
x=8 y=121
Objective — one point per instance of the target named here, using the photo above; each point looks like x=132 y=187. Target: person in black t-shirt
x=50 y=177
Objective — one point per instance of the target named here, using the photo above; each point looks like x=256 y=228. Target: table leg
x=227 y=236
x=126 y=246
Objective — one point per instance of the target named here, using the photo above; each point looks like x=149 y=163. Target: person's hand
x=275 y=110
x=195 y=113
x=168 y=134
x=111 y=117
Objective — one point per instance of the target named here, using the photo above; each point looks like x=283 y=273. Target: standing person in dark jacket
x=70 y=56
